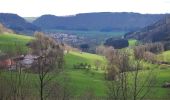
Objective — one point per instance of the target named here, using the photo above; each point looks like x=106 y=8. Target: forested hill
x=104 y=21
x=159 y=31
x=17 y=23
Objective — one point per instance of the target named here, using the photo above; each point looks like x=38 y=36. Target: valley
x=84 y=80
x=76 y=38
x=85 y=60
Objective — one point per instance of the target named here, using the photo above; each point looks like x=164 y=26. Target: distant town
x=67 y=38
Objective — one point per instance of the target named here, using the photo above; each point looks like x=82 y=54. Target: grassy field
x=165 y=56
x=10 y=41
x=132 y=42
x=81 y=57
x=81 y=80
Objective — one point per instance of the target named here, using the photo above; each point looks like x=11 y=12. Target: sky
x=35 y=8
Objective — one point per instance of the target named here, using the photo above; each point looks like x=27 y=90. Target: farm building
x=6 y=63
x=10 y=63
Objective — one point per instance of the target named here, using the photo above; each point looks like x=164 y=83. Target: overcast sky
x=33 y=8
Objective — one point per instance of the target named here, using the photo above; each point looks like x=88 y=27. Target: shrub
x=82 y=66
x=164 y=67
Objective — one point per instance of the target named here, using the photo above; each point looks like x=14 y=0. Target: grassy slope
x=9 y=41
x=163 y=75
x=165 y=56
x=80 y=80
x=77 y=57
x=10 y=38
x=132 y=42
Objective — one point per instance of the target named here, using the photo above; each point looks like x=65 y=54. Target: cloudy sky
x=33 y=8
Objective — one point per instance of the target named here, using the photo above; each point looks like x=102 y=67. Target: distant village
x=70 y=39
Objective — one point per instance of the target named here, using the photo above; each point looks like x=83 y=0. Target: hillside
x=17 y=23
x=78 y=57
x=82 y=81
x=8 y=42
x=104 y=21
x=159 y=31
x=4 y=29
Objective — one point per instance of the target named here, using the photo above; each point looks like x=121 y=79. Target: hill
x=82 y=80
x=17 y=23
x=4 y=29
x=104 y=21
x=158 y=31
x=78 y=57
x=9 y=41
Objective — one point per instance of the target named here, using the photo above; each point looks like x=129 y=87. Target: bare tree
x=97 y=64
x=100 y=49
x=49 y=60
x=61 y=90
x=118 y=86
x=143 y=81
x=147 y=52
x=130 y=82
x=16 y=81
x=88 y=94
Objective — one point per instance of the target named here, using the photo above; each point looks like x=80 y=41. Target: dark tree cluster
x=84 y=47
x=117 y=43
x=167 y=45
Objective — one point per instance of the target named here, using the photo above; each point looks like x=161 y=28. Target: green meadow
x=81 y=80
x=132 y=42
x=9 y=41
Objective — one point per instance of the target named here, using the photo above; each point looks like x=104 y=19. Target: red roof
x=6 y=63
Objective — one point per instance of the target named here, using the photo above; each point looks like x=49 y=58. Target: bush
x=166 y=85
x=164 y=67
x=82 y=66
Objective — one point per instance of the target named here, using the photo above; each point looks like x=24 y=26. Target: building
x=25 y=61
x=7 y=63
